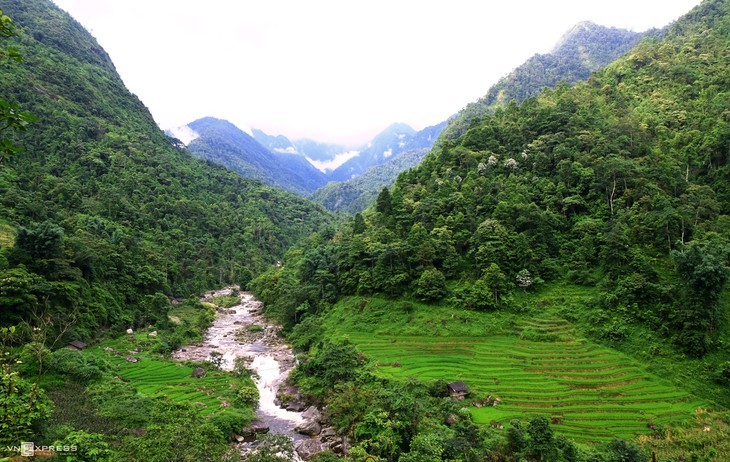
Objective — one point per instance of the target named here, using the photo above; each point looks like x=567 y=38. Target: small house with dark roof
x=76 y=345
x=457 y=390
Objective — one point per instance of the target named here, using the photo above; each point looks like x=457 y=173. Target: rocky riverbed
x=242 y=331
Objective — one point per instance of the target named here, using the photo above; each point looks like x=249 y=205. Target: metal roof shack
x=76 y=345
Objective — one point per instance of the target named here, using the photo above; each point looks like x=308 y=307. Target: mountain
x=356 y=194
x=278 y=143
x=583 y=49
x=526 y=256
x=223 y=143
x=101 y=211
x=320 y=152
x=390 y=142
x=325 y=157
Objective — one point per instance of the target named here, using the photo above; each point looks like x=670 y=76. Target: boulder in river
x=295 y=407
x=313 y=414
x=309 y=428
x=307 y=449
x=257 y=427
x=198 y=373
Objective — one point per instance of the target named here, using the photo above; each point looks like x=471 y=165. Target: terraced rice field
x=591 y=393
x=166 y=378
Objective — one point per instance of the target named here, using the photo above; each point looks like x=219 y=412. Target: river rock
x=295 y=407
x=256 y=428
x=307 y=449
x=198 y=373
x=309 y=428
x=313 y=414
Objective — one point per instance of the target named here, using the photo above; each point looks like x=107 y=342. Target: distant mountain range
x=221 y=142
x=347 y=179
x=301 y=166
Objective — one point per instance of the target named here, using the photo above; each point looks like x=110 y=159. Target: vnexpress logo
x=27 y=449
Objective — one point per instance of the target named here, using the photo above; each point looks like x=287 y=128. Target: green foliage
x=332 y=363
x=112 y=218
x=431 y=286
x=226 y=301
x=176 y=432
x=248 y=396
x=24 y=405
x=82 y=367
x=90 y=447
x=274 y=447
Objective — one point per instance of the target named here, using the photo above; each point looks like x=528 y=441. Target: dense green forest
x=103 y=221
x=586 y=48
x=566 y=257
x=100 y=209
x=602 y=208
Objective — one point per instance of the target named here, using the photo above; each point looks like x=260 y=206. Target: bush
x=431 y=286
x=89 y=447
x=82 y=367
x=248 y=396
x=231 y=421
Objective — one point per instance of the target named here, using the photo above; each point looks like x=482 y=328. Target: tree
x=358 y=225
x=11 y=117
x=497 y=282
x=22 y=404
x=703 y=268
x=541 y=443
x=431 y=286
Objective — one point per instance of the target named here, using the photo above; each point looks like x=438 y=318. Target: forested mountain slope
x=620 y=183
x=554 y=257
x=585 y=48
x=101 y=214
x=358 y=193
x=223 y=143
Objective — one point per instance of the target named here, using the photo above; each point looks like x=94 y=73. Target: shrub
x=82 y=367
x=248 y=396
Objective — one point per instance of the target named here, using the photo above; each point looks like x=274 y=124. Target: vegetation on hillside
x=105 y=214
x=104 y=220
x=618 y=184
x=586 y=48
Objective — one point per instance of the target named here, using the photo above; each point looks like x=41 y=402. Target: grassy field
x=154 y=376
x=534 y=364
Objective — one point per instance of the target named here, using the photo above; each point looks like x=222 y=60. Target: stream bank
x=242 y=331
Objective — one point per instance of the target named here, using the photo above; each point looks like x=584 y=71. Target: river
x=263 y=350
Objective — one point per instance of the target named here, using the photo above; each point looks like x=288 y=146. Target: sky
x=333 y=70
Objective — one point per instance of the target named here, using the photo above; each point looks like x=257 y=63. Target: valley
x=540 y=278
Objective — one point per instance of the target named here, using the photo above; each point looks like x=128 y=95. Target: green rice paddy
x=153 y=376
x=591 y=393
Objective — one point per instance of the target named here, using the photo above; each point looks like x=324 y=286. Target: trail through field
x=233 y=336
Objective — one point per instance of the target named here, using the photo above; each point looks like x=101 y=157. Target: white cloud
x=329 y=165
x=184 y=134
x=288 y=150
x=388 y=153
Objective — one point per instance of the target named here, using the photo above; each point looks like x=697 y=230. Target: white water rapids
x=265 y=353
